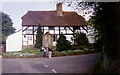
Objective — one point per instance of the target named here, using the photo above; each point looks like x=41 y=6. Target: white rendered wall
x=14 y=42
x=28 y=40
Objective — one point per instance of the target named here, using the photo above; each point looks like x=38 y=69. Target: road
x=64 y=64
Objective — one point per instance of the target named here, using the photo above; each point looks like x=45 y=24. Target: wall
x=14 y=42
x=25 y=47
x=2 y=48
x=28 y=38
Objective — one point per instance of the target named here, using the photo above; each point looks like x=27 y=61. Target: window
x=29 y=37
x=51 y=27
x=76 y=27
x=54 y=37
x=29 y=31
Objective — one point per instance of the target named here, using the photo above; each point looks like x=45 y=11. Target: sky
x=16 y=9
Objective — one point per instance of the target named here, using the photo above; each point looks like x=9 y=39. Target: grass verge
x=35 y=53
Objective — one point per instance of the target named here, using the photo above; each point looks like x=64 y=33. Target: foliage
x=91 y=46
x=6 y=25
x=74 y=47
x=38 y=43
x=54 y=48
x=81 y=39
x=91 y=32
x=74 y=52
x=35 y=51
x=2 y=38
x=62 y=43
x=107 y=24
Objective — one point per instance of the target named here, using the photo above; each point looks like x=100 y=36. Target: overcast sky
x=17 y=9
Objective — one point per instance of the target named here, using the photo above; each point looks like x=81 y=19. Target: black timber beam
x=71 y=29
x=26 y=28
x=85 y=29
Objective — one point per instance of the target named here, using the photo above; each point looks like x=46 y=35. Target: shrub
x=62 y=43
x=38 y=43
x=80 y=39
x=56 y=53
x=91 y=46
x=75 y=47
x=54 y=48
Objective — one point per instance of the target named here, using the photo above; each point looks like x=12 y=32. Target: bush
x=91 y=46
x=81 y=39
x=54 y=48
x=31 y=51
x=76 y=47
x=56 y=53
x=62 y=43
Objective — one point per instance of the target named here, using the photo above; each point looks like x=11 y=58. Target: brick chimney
x=59 y=9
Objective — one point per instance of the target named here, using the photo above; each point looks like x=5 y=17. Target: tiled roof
x=50 y=18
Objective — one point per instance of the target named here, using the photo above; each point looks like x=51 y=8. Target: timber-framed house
x=54 y=22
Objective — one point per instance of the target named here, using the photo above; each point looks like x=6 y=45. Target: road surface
x=64 y=64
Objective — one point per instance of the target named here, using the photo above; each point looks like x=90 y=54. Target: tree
x=81 y=39
x=62 y=43
x=38 y=43
x=6 y=24
x=6 y=27
x=107 y=23
x=2 y=39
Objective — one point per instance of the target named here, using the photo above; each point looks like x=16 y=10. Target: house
x=14 y=42
x=54 y=22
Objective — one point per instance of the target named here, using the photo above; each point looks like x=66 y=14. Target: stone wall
x=2 y=48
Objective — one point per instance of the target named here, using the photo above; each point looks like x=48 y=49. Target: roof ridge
x=50 y=11
x=42 y=11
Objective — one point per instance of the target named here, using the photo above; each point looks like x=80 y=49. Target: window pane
x=51 y=27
